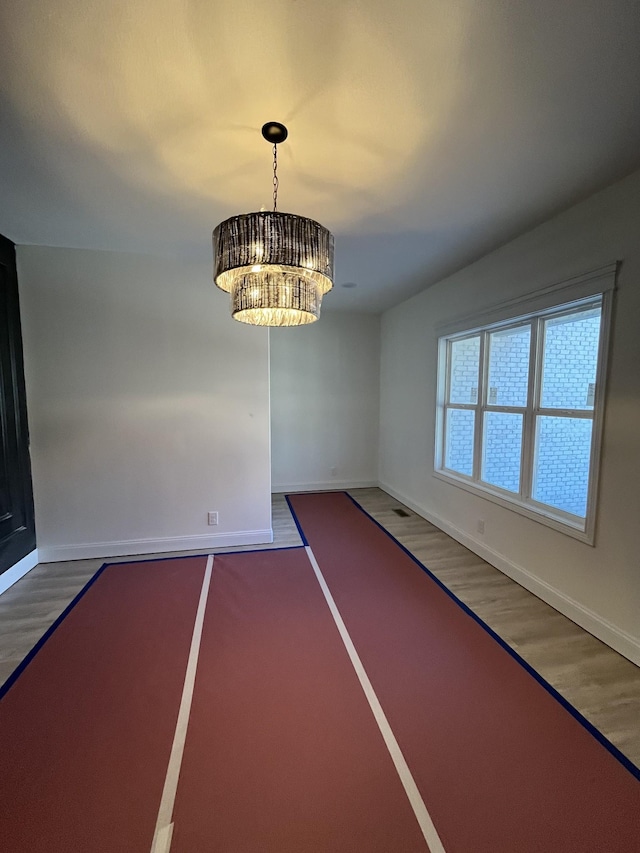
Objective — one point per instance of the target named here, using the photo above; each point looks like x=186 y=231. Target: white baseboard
x=328 y=486
x=19 y=570
x=132 y=547
x=615 y=637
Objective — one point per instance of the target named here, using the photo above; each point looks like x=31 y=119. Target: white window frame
x=579 y=293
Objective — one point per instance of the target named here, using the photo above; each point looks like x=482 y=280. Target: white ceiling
x=422 y=132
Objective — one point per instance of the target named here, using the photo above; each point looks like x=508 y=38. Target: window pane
x=465 y=364
x=458 y=455
x=502 y=450
x=561 y=466
x=570 y=360
x=509 y=367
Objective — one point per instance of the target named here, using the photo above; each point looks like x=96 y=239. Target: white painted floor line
x=164 y=827
x=415 y=798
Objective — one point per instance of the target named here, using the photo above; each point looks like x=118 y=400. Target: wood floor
x=600 y=683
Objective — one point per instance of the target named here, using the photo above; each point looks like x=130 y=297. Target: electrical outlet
x=212 y=518
x=481 y=525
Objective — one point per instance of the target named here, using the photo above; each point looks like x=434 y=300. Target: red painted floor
x=283 y=754
x=86 y=730
x=282 y=751
x=501 y=765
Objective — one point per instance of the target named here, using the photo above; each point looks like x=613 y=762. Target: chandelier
x=276 y=266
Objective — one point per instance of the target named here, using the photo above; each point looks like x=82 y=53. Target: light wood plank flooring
x=600 y=683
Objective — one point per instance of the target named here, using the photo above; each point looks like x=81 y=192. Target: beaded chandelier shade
x=276 y=266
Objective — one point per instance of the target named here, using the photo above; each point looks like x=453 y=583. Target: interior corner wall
x=148 y=406
x=325 y=393
x=598 y=587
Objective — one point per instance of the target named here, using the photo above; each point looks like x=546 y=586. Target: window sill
x=582 y=532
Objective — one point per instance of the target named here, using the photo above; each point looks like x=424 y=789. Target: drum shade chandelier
x=276 y=266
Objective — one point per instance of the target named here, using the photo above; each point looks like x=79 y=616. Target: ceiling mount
x=274 y=132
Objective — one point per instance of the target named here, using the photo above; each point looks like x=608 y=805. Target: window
x=520 y=408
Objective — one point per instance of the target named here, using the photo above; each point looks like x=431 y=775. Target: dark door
x=17 y=528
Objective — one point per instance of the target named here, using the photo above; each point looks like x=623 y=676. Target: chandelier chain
x=275 y=178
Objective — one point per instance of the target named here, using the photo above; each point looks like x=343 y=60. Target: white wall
x=325 y=392
x=599 y=587
x=148 y=406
